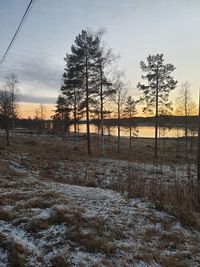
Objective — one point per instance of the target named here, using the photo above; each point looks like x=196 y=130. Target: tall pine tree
x=73 y=92
x=84 y=57
x=61 y=116
x=159 y=83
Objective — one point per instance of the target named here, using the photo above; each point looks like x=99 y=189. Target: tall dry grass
x=179 y=198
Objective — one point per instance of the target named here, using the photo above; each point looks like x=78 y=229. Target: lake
x=142 y=131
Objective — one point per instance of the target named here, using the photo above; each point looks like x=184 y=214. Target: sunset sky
x=135 y=29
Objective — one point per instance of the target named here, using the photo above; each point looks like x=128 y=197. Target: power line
x=30 y=5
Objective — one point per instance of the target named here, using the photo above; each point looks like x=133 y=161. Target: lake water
x=142 y=131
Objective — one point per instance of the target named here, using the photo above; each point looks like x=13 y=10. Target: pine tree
x=84 y=57
x=61 y=117
x=72 y=90
x=157 y=88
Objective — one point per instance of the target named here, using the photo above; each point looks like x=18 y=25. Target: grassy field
x=61 y=207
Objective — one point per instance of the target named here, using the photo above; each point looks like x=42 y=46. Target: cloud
x=39 y=77
x=36 y=99
x=40 y=72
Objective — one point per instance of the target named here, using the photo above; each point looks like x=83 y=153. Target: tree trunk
x=13 y=126
x=75 y=130
x=198 y=146
x=13 y=117
x=102 y=118
x=156 y=122
x=75 y=120
x=7 y=136
x=63 y=126
x=87 y=109
x=118 y=128
x=99 y=130
x=186 y=132
x=177 y=141
x=130 y=129
x=109 y=134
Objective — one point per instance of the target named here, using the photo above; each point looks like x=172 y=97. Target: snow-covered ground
x=47 y=222
x=105 y=173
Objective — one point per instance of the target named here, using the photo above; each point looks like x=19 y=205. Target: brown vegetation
x=54 y=162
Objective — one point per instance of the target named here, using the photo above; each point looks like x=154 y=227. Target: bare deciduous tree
x=11 y=86
x=105 y=58
x=6 y=111
x=119 y=98
x=129 y=112
x=40 y=112
x=185 y=106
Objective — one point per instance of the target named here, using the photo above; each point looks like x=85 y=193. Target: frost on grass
x=47 y=222
x=56 y=224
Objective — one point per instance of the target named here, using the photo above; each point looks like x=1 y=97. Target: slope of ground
x=46 y=222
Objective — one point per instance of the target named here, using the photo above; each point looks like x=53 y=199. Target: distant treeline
x=32 y=124
x=166 y=121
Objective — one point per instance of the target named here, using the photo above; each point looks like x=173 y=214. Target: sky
x=134 y=29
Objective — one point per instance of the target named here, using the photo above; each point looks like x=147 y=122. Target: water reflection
x=143 y=131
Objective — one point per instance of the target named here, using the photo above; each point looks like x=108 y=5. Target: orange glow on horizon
x=27 y=110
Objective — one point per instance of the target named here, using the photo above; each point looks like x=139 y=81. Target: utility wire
x=30 y=5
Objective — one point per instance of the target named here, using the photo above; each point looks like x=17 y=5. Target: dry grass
x=36 y=202
x=175 y=261
x=18 y=255
x=146 y=254
x=178 y=198
x=8 y=172
x=86 y=232
x=93 y=243
x=149 y=234
x=47 y=174
x=53 y=149
x=3 y=240
x=166 y=224
x=9 y=198
x=45 y=200
x=60 y=261
x=93 y=235
x=66 y=215
x=5 y=214
x=171 y=241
